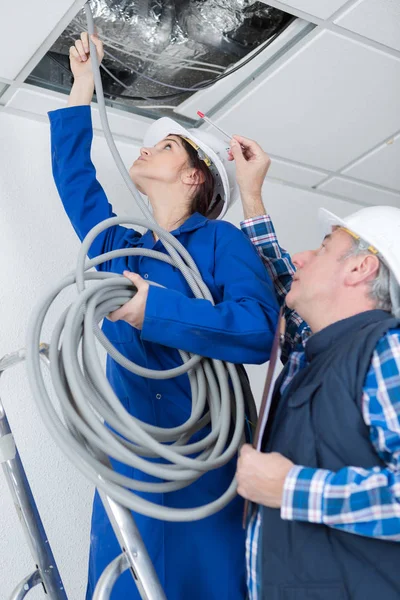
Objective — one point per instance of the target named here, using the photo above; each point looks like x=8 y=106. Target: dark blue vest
x=318 y=423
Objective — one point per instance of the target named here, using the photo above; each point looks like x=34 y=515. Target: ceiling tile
x=351 y=190
x=39 y=103
x=325 y=106
x=24 y=27
x=378 y=20
x=318 y=8
x=36 y=102
x=381 y=166
x=292 y=173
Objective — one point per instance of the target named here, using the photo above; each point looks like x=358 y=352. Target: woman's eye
x=167 y=146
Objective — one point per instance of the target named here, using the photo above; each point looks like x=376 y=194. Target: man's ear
x=362 y=268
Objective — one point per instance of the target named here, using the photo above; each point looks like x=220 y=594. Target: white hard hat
x=226 y=190
x=379 y=226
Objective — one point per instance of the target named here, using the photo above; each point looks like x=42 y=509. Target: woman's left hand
x=133 y=311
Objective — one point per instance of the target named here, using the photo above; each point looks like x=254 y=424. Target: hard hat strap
x=202 y=155
x=365 y=244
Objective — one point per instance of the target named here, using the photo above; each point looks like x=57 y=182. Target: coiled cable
x=90 y=423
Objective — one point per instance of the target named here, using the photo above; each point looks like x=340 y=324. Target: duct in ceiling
x=160 y=52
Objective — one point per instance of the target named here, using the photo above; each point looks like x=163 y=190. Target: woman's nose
x=145 y=152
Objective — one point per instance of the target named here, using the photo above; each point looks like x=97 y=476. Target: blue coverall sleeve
x=240 y=328
x=74 y=174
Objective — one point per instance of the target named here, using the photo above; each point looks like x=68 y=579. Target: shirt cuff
x=260 y=230
x=303 y=494
x=254 y=220
x=83 y=110
x=161 y=324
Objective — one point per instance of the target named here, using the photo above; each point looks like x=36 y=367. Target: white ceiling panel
x=366 y=194
x=292 y=173
x=319 y=8
x=381 y=167
x=39 y=103
x=325 y=106
x=378 y=20
x=24 y=27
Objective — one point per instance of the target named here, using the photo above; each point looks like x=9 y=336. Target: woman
x=202 y=560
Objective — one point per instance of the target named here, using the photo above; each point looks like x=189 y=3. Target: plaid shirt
x=361 y=501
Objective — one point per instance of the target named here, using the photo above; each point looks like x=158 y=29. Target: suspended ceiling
x=324 y=104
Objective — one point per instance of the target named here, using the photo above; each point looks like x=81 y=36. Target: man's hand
x=252 y=165
x=133 y=311
x=261 y=476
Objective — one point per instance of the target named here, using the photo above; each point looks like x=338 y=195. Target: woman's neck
x=170 y=208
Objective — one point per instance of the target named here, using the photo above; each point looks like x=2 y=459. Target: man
x=325 y=490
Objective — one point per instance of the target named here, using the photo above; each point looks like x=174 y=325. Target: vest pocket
x=313 y=591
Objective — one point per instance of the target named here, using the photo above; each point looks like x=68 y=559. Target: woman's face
x=165 y=162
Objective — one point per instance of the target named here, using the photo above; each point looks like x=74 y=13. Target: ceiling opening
x=159 y=53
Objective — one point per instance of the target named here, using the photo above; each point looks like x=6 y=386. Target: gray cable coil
x=87 y=400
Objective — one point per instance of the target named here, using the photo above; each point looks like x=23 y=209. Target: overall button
x=158 y=396
x=146 y=275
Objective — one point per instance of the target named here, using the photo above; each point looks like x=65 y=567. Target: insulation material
x=161 y=51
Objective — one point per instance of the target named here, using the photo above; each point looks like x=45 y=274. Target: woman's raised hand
x=81 y=65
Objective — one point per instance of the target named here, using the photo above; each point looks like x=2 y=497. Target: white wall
x=37 y=245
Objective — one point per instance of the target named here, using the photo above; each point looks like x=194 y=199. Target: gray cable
x=87 y=401
x=144 y=76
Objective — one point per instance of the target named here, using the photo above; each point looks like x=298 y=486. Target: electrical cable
x=205 y=85
x=180 y=62
x=114 y=94
x=90 y=423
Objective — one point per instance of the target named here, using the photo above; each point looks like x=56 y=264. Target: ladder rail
x=134 y=553
x=25 y=586
x=25 y=504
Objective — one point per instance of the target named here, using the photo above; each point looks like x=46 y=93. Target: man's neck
x=320 y=319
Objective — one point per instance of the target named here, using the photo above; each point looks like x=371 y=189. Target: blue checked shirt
x=360 y=501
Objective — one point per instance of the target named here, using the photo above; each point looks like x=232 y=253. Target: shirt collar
x=195 y=221
x=330 y=335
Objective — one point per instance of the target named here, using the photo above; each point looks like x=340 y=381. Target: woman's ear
x=192 y=177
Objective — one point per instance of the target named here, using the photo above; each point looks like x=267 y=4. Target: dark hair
x=203 y=195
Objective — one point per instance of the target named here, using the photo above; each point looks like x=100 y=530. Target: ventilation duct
x=160 y=52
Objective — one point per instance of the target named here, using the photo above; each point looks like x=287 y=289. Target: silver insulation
x=181 y=43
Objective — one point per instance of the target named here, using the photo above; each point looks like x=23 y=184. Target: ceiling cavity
x=160 y=52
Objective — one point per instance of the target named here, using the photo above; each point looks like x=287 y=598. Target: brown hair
x=203 y=195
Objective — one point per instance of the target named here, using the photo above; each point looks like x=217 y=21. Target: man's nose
x=301 y=258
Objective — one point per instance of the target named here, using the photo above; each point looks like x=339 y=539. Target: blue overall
x=202 y=560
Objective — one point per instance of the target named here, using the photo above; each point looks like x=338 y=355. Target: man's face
x=319 y=274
